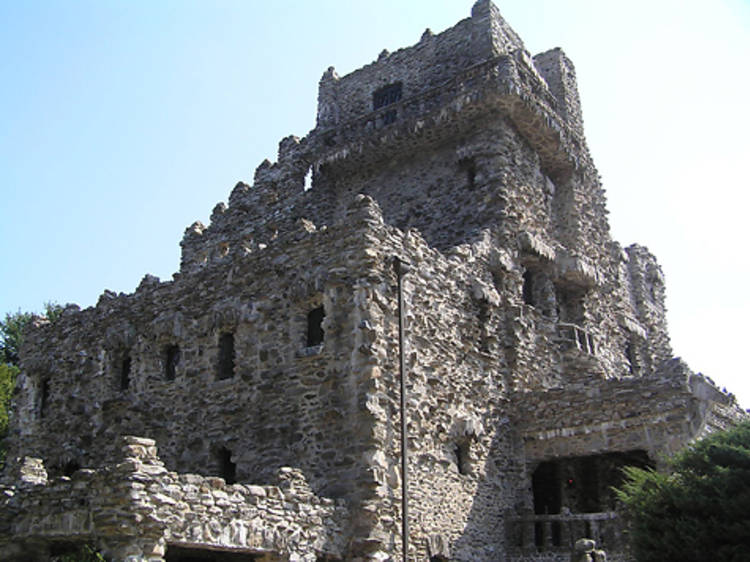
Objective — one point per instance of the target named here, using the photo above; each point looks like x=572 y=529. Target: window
x=226 y=356
x=171 y=360
x=43 y=398
x=315 y=326
x=125 y=368
x=386 y=95
x=461 y=452
x=469 y=167
x=528 y=288
x=227 y=469
x=70 y=467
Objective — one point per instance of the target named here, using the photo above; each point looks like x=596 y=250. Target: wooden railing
x=573 y=336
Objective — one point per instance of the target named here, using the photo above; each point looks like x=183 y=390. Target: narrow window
x=469 y=167
x=227 y=469
x=43 y=398
x=171 y=360
x=386 y=95
x=630 y=355
x=226 y=356
x=315 y=326
x=528 y=288
x=461 y=452
x=125 y=368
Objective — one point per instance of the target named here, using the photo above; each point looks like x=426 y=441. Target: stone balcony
x=557 y=533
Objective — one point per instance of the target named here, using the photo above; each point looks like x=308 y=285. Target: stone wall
x=136 y=508
x=531 y=336
x=284 y=403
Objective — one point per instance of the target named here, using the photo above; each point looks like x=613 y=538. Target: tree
x=11 y=336
x=11 y=330
x=698 y=511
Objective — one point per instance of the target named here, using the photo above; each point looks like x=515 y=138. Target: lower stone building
x=250 y=408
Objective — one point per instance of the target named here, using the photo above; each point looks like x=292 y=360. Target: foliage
x=11 y=336
x=7 y=383
x=699 y=510
x=11 y=330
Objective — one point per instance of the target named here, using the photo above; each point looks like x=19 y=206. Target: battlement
x=267 y=370
x=426 y=65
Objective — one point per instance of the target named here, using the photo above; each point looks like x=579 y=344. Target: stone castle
x=250 y=408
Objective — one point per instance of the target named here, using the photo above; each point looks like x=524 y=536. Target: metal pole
x=401 y=270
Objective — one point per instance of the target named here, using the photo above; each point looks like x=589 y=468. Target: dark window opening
x=70 y=467
x=386 y=95
x=125 y=368
x=461 y=452
x=227 y=469
x=469 y=167
x=171 y=360
x=43 y=398
x=630 y=357
x=71 y=550
x=587 y=474
x=582 y=484
x=570 y=305
x=389 y=117
x=226 y=356
x=438 y=558
x=315 y=331
x=528 y=288
x=545 y=483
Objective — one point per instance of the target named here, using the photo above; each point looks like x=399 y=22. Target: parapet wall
x=429 y=63
x=136 y=508
x=149 y=363
x=658 y=414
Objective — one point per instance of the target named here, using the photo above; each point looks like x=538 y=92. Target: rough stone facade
x=267 y=373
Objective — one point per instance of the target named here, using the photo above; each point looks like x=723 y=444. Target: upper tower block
x=413 y=70
x=441 y=89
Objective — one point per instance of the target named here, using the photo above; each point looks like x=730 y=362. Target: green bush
x=700 y=509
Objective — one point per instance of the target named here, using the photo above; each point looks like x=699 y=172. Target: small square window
x=386 y=95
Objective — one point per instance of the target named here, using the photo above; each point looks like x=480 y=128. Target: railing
x=573 y=336
x=561 y=531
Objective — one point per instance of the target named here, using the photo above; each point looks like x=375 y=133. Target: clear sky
x=121 y=123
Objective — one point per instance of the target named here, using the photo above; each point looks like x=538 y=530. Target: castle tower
x=250 y=406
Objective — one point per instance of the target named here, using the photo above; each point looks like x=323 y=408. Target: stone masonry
x=249 y=408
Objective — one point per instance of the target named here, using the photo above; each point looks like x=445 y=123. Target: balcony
x=559 y=532
x=572 y=336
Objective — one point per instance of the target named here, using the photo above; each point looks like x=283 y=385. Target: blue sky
x=121 y=123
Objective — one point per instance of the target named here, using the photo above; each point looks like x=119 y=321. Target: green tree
x=11 y=336
x=699 y=509
x=11 y=330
